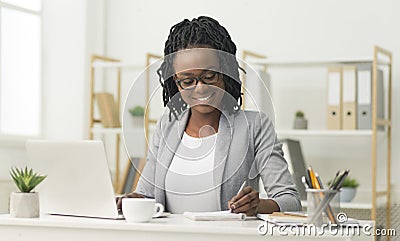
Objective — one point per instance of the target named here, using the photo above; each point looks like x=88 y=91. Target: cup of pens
x=322 y=206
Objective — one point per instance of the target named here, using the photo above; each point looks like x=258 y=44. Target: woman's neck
x=203 y=124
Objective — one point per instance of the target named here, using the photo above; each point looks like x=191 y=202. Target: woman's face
x=197 y=65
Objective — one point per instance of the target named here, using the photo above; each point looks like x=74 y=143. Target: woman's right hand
x=118 y=200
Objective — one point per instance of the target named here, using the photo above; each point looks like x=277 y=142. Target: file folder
x=349 y=101
x=334 y=121
x=364 y=92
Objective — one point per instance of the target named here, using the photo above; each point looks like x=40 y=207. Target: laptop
x=78 y=181
x=296 y=164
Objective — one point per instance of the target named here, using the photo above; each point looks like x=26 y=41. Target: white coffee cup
x=141 y=210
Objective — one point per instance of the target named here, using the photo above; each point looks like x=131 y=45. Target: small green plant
x=299 y=114
x=26 y=180
x=137 y=111
x=348 y=182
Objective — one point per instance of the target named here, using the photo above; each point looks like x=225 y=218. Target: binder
x=349 y=98
x=364 y=120
x=334 y=121
x=364 y=92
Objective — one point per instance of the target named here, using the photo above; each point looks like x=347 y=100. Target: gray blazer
x=247 y=148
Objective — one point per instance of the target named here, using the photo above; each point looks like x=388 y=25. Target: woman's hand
x=118 y=200
x=246 y=201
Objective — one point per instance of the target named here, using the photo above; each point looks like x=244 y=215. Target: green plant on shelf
x=348 y=182
x=300 y=114
x=137 y=111
x=26 y=180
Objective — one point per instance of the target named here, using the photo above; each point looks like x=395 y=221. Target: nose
x=201 y=87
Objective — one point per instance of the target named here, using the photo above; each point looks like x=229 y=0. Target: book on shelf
x=108 y=110
x=349 y=101
x=349 y=97
x=334 y=115
x=364 y=92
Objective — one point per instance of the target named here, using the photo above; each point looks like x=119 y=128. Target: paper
x=214 y=216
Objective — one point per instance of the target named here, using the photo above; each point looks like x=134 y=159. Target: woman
x=207 y=147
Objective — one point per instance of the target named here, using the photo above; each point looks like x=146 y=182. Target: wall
x=72 y=30
x=283 y=30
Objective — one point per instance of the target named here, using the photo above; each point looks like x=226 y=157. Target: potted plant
x=300 y=122
x=25 y=204
x=348 y=190
x=137 y=112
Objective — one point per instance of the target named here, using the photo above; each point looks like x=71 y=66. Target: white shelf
x=100 y=130
x=314 y=63
x=117 y=65
x=353 y=205
x=319 y=133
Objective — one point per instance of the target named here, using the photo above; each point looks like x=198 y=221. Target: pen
x=340 y=180
x=313 y=178
x=319 y=182
x=240 y=189
x=334 y=180
x=304 y=181
x=329 y=210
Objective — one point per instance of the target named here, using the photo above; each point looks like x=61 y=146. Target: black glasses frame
x=212 y=80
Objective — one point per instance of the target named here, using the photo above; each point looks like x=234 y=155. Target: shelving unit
x=94 y=63
x=373 y=135
x=104 y=63
x=339 y=133
x=351 y=205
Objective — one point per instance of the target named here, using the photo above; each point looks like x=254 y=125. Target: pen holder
x=322 y=206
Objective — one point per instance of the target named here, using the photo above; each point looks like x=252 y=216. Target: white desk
x=175 y=227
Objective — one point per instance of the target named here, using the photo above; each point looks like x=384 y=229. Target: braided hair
x=200 y=32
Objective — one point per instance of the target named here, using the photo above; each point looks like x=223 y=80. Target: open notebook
x=214 y=216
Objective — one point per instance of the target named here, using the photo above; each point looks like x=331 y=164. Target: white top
x=189 y=181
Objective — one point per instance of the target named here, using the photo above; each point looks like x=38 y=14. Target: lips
x=204 y=98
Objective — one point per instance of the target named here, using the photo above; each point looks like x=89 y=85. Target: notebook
x=284 y=218
x=214 y=216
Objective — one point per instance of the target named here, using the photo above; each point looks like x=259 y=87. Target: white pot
x=138 y=121
x=347 y=194
x=300 y=123
x=24 y=205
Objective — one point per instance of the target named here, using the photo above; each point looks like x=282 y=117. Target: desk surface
x=174 y=227
x=172 y=223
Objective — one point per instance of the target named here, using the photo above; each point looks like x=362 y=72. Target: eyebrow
x=209 y=68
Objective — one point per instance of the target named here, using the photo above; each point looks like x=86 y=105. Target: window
x=20 y=67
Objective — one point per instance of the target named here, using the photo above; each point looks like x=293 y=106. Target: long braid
x=200 y=32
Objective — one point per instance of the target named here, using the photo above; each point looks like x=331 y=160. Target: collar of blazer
x=172 y=136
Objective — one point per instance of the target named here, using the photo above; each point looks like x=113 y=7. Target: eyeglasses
x=208 y=78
